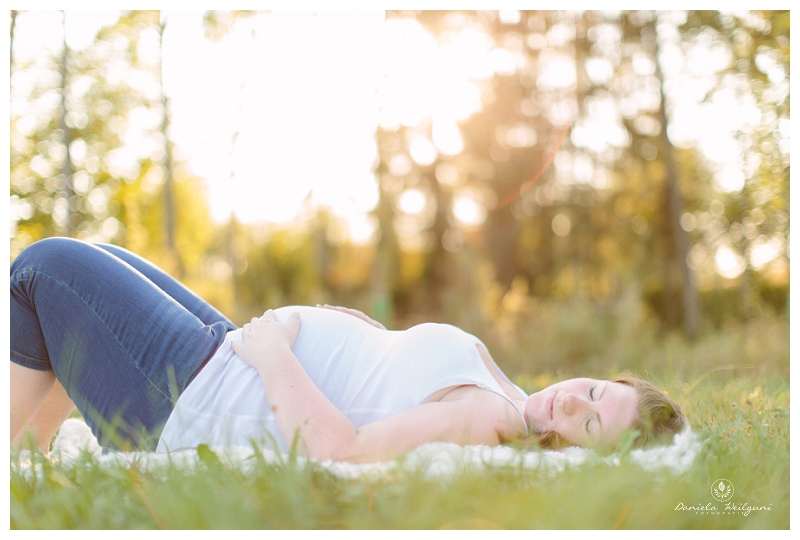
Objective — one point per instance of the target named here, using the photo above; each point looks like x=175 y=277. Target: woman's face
x=584 y=412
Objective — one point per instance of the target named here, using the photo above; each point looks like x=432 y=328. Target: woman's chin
x=534 y=413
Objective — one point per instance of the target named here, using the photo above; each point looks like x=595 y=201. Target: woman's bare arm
x=326 y=433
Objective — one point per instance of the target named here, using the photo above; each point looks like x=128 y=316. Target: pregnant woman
x=152 y=366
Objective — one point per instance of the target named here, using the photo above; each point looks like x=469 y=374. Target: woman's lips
x=550 y=403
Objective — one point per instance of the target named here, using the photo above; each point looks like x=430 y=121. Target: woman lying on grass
x=152 y=366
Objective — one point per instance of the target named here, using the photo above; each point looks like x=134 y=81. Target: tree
x=11 y=41
x=112 y=95
x=756 y=209
x=66 y=165
x=169 y=205
x=640 y=34
x=62 y=133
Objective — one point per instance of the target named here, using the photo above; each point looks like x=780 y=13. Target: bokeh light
x=280 y=116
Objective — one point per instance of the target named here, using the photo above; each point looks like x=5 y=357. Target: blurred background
x=578 y=189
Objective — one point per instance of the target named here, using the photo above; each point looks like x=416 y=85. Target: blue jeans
x=123 y=338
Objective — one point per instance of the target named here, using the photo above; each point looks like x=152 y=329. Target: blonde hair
x=658 y=418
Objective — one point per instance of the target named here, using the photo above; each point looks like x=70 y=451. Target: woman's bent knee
x=48 y=252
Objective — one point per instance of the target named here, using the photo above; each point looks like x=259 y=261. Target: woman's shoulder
x=487 y=408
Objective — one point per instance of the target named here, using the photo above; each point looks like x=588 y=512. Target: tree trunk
x=169 y=203
x=689 y=304
x=439 y=263
x=584 y=233
x=385 y=262
x=11 y=41
x=66 y=165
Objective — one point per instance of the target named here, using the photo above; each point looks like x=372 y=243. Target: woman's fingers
x=293 y=322
x=343 y=309
x=268 y=316
x=335 y=308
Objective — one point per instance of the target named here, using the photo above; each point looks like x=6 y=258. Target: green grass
x=742 y=415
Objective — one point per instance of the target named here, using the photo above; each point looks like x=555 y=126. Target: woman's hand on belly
x=263 y=336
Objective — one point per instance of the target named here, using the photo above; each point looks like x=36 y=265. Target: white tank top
x=366 y=372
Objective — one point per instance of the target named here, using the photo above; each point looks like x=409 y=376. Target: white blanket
x=433 y=460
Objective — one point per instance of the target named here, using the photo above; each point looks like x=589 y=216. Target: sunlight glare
x=421 y=150
x=561 y=224
x=467 y=209
x=411 y=201
x=729 y=263
x=763 y=251
x=555 y=71
x=730 y=178
x=599 y=70
x=600 y=128
x=361 y=228
x=447 y=138
x=509 y=16
x=427 y=81
x=294 y=112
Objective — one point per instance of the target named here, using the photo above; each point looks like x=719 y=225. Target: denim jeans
x=123 y=338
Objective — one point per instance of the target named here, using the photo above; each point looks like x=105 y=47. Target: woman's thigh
x=122 y=348
x=171 y=286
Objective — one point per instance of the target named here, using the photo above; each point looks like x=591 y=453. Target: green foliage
x=550 y=341
x=281 y=270
x=99 y=103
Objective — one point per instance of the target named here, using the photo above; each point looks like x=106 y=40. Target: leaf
x=208 y=456
x=60 y=478
x=626 y=441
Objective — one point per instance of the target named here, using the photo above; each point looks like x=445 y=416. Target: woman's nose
x=573 y=404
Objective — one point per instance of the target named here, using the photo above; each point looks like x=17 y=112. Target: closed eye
x=588 y=420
